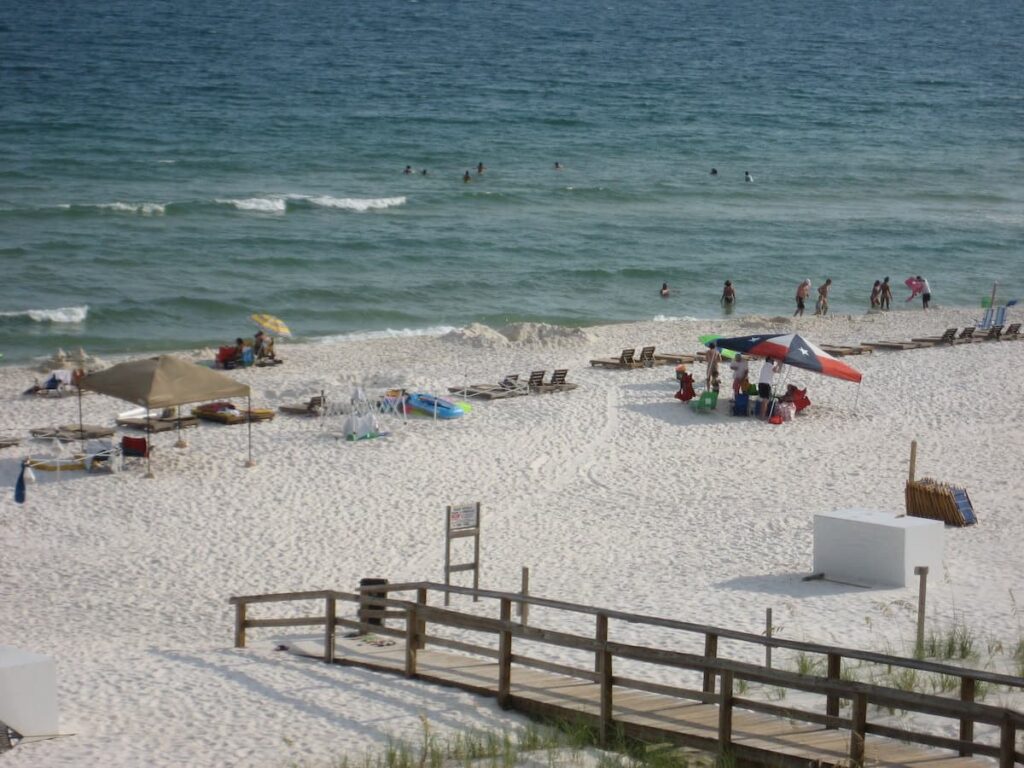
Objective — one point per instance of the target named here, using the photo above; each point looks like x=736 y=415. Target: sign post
x=461 y=521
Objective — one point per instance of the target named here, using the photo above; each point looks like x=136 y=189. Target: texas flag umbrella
x=792 y=349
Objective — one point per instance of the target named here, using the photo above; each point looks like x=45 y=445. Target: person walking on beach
x=886 y=295
x=713 y=358
x=764 y=385
x=821 y=307
x=802 y=292
x=926 y=292
x=728 y=295
x=876 y=294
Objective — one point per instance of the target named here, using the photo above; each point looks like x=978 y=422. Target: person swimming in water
x=664 y=290
x=408 y=170
x=424 y=172
x=558 y=166
x=480 y=168
x=714 y=172
x=466 y=178
x=747 y=177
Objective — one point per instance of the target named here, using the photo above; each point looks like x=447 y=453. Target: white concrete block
x=28 y=692
x=858 y=546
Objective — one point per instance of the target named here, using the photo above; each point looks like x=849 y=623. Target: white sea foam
x=390 y=333
x=58 y=315
x=258 y=204
x=146 y=209
x=673 y=318
x=355 y=203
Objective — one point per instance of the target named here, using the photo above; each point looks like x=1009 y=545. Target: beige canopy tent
x=162 y=382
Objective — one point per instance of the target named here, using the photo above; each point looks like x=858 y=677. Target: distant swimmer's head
x=424 y=171
x=747 y=176
x=558 y=166
x=728 y=283
x=714 y=171
x=408 y=169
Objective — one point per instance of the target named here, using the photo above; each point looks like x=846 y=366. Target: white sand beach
x=614 y=494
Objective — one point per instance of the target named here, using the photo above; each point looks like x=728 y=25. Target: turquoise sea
x=167 y=168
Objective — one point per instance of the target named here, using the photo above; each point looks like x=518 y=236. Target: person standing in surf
x=885 y=297
x=728 y=295
x=876 y=293
x=926 y=292
x=821 y=307
x=802 y=292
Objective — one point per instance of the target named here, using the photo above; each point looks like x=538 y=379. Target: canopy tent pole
x=177 y=423
x=248 y=405
x=149 y=447
x=81 y=425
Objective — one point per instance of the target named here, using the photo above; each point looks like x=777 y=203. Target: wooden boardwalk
x=756 y=738
x=731 y=712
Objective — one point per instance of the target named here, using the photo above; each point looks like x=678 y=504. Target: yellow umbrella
x=271 y=324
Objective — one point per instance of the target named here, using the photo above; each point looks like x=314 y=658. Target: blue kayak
x=430 y=405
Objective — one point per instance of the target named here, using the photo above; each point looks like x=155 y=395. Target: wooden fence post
x=858 y=727
x=725 y=712
x=330 y=609
x=768 y=635
x=604 y=668
x=240 y=625
x=524 y=607
x=600 y=637
x=835 y=669
x=966 y=723
x=505 y=655
x=421 y=624
x=922 y=592
x=710 y=652
x=1007 y=742
x=411 y=641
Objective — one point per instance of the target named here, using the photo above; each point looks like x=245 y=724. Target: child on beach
x=821 y=308
x=713 y=357
x=802 y=292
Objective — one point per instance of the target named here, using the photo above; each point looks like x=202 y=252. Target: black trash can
x=370 y=600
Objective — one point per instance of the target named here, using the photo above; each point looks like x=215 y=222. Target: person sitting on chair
x=263 y=349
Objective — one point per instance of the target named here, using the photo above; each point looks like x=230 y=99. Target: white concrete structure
x=857 y=546
x=28 y=692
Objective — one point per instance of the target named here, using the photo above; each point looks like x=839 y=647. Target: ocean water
x=166 y=169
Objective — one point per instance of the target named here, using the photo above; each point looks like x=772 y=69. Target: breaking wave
x=58 y=315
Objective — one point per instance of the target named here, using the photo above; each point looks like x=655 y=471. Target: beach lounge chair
x=625 y=360
x=557 y=383
x=227 y=413
x=510 y=386
x=966 y=336
x=994 y=334
x=646 y=359
x=894 y=345
x=706 y=402
x=948 y=337
x=67 y=433
x=1011 y=333
x=9 y=442
x=313 y=407
x=993 y=316
x=536 y=380
x=673 y=358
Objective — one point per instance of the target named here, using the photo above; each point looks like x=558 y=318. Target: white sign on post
x=462 y=516
x=463 y=521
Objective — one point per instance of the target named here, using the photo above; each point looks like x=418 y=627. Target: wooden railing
x=417 y=615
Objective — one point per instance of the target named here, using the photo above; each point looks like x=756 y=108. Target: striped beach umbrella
x=791 y=349
x=271 y=324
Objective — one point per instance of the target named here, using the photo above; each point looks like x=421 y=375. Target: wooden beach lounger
x=670 y=358
x=159 y=425
x=507 y=387
x=966 y=336
x=994 y=334
x=313 y=407
x=557 y=383
x=233 y=416
x=837 y=350
x=894 y=345
x=1012 y=333
x=67 y=433
x=948 y=337
x=625 y=360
